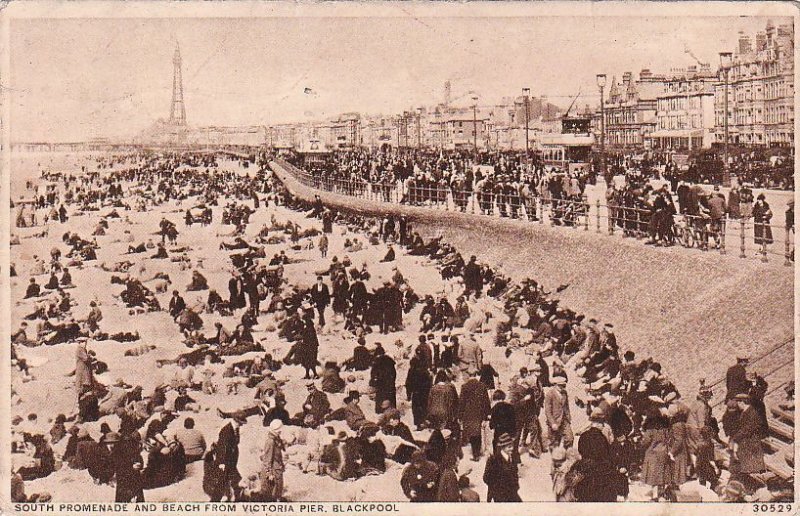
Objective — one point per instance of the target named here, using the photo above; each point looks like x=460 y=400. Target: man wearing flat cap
x=736 y=379
x=557 y=413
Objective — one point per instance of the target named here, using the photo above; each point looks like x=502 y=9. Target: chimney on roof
x=770 y=32
x=645 y=74
x=626 y=78
x=761 y=41
x=745 y=43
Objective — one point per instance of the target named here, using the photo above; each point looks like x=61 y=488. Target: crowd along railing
x=741 y=236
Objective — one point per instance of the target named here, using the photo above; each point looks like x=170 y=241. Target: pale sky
x=73 y=79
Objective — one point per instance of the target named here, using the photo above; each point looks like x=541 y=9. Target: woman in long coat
x=84 y=378
x=473 y=410
x=307 y=352
x=734 y=211
x=679 y=444
x=656 y=470
x=598 y=479
x=748 y=455
x=442 y=401
x=762 y=216
x=418 y=388
x=383 y=378
x=341 y=294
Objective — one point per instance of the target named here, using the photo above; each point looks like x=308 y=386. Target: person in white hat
x=272 y=466
x=557 y=413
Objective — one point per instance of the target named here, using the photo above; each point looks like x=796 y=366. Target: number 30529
x=772 y=507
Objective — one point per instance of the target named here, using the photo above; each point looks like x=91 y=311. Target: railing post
x=764 y=246
x=741 y=236
x=612 y=214
x=723 y=226
x=540 y=209
x=586 y=213
x=638 y=215
x=787 y=248
x=598 y=215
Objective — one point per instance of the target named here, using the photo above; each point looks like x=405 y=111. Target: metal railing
x=742 y=236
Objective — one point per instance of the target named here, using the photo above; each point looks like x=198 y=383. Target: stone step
x=785 y=416
x=778 y=446
x=781 y=430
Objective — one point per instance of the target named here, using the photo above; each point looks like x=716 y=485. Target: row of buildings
x=680 y=110
x=443 y=126
x=686 y=109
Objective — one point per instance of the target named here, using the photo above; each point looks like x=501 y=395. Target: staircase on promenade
x=779 y=444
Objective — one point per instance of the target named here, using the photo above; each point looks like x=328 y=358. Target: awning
x=677 y=133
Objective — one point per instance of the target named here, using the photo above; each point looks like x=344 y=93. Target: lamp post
x=601 y=83
x=475 y=123
x=405 y=127
x=419 y=128
x=526 y=92
x=725 y=59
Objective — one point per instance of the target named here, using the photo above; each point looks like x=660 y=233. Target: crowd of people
x=493 y=371
x=506 y=185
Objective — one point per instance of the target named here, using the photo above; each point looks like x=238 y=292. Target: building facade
x=760 y=89
x=685 y=111
x=630 y=110
x=346 y=131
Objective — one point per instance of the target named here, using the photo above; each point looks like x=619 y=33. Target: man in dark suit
x=176 y=304
x=228 y=456
x=736 y=379
x=321 y=296
x=126 y=462
x=383 y=378
x=473 y=282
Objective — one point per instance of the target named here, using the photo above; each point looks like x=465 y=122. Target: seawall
x=693 y=311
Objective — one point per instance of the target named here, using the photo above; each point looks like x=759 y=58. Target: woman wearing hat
x=656 y=468
x=762 y=215
x=442 y=401
x=678 y=414
x=747 y=455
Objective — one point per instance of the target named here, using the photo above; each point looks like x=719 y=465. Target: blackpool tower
x=177 y=111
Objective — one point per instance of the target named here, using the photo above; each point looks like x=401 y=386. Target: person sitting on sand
x=66 y=279
x=199 y=282
x=52 y=283
x=33 y=290
x=161 y=252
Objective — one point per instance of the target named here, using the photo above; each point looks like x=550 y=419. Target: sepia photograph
x=398 y=252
